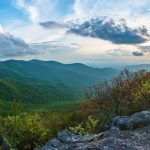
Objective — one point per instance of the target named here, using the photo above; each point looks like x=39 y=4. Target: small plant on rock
x=87 y=127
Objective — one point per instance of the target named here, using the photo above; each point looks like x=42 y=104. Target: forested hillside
x=36 y=93
x=38 y=82
x=55 y=72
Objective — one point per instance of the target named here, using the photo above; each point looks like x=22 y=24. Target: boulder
x=66 y=140
x=138 y=139
x=137 y=120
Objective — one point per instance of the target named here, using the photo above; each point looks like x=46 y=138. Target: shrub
x=119 y=95
x=86 y=109
x=142 y=97
x=57 y=121
x=23 y=131
x=87 y=127
x=126 y=94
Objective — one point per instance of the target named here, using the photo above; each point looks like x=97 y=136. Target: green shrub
x=142 y=97
x=23 y=131
x=57 y=121
x=87 y=127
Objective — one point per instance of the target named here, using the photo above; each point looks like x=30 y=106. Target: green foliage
x=16 y=108
x=4 y=107
x=86 y=127
x=23 y=131
x=142 y=97
x=57 y=121
x=38 y=82
x=146 y=86
x=127 y=93
x=54 y=72
x=34 y=93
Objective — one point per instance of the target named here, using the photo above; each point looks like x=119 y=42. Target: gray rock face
x=137 y=120
x=138 y=139
x=135 y=137
x=66 y=140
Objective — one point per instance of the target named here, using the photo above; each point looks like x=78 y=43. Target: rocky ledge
x=123 y=133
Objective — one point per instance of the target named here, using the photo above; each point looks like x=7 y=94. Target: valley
x=47 y=84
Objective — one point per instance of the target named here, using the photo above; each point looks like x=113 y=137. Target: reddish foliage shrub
x=86 y=109
x=124 y=95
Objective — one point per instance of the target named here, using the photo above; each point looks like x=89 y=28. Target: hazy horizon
x=100 y=66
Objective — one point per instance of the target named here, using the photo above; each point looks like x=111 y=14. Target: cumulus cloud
x=109 y=29
x=80 y=10
x=11 y=46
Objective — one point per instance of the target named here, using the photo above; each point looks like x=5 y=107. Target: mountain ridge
x=53 y=71
x=139 y=67
x=37 y=81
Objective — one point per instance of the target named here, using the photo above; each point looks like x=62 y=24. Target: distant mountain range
x=38 y=81
x=139 y=67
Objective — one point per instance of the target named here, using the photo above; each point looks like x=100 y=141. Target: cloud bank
x=11 y=46
x=108 y=29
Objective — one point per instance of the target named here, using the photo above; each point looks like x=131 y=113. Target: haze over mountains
x=47 y=82
x=139 y=67
x=55 y=72
x=38 y=81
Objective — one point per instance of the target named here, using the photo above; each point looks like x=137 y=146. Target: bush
x=56 y=122
x=120 y=94
x=86 y=109
x=23 y=131
x=87 y=127
x=142 y=97
x=126 y=94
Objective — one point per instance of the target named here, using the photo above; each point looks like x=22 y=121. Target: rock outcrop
x=66 y=140
x=124 y=133
x=137 y=120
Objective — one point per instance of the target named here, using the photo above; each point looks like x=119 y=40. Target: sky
x=101 y=33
